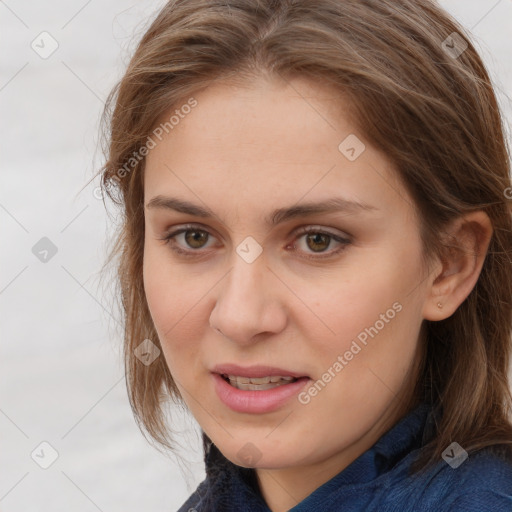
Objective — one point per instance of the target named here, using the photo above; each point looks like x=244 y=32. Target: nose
x=249 y=302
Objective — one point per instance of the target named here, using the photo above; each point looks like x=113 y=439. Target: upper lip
x=254 y=371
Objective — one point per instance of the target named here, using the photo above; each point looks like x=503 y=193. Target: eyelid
x=342 y=238
x=299 y=229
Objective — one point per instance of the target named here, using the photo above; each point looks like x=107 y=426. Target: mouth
x=256 y=389
x=257 y=383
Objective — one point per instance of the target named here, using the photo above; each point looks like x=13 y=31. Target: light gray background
x=61 y=375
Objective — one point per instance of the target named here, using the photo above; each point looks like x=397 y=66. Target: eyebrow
x=331 y=205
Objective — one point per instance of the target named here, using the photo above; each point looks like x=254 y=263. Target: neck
x=284 y=488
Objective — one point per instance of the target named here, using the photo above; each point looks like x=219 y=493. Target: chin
x=259 y=455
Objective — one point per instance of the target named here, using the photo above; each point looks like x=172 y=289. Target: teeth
x=260 y=380
x=243 y=380
x=258 y=383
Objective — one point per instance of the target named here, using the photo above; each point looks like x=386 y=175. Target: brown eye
x=192 y=240
x=318 y=242
x=195 y=238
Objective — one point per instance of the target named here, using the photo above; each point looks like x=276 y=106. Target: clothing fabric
x=377 y=480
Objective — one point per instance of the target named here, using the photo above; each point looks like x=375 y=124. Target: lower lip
x=256 y=401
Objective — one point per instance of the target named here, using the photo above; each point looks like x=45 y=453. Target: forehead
x=269 y=143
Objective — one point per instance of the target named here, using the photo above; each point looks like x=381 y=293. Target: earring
x=439 y=305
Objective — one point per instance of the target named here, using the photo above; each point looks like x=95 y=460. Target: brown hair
x=435 y=116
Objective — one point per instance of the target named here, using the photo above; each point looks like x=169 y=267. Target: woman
x=316 y=252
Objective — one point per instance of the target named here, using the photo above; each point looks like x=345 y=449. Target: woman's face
x=339 y=309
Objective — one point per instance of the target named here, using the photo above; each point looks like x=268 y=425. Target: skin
x=244 y=151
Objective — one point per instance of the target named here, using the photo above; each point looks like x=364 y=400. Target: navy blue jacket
x=377 y=480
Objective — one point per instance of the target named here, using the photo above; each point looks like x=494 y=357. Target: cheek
x=157 y=285
x=342 y=309
x=369 y=318
x=176 y=301
x=166 y=295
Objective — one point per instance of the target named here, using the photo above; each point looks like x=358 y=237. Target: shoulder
x=480 y=483
x=483 y=482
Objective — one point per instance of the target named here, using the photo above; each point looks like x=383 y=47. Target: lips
x=256 y=389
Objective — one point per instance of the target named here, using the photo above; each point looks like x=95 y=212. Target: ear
x=460 y=267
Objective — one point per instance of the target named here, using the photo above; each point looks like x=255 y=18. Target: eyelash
x=169 y=240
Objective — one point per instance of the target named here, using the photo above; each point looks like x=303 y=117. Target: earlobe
x=461 y=265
